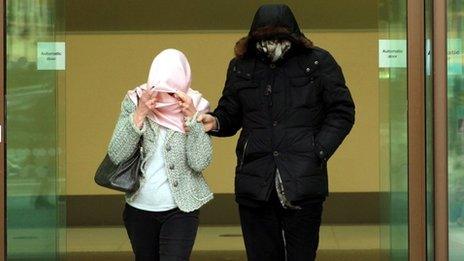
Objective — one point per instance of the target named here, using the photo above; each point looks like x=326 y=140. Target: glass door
x=375 y=155
x=393 y=87
x=455 y=88
x=35 y=147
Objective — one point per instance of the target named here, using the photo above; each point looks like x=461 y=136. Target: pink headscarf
x=169 y=73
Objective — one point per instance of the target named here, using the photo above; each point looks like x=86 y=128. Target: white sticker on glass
x=392 y=53
x=51 y=56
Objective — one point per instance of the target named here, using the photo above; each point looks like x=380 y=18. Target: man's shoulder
x=319 y=53
x=242 y=66
x=241 y=61
x=323 y=57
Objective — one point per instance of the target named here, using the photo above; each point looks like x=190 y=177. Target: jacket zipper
x=243 y=153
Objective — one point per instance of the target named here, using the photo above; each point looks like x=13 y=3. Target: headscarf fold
x=170 y=72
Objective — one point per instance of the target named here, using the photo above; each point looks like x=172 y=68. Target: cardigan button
x=171 y=167
x=168 y=148
x=308 y=70
x=175 y=183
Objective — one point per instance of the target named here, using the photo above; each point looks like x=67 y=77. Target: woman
x=161 y=218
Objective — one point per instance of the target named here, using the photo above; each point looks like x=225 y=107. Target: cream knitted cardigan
x=185 y=155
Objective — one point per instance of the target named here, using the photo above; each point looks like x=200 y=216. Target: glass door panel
x=36 y=112
x=35 y=211
x=393 y=130
x=455 y=38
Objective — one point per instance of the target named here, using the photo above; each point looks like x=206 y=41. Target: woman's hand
x=147 y=103
x=186 y=104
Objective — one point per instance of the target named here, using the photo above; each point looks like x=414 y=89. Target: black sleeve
x=229 y=109
x=339 y=108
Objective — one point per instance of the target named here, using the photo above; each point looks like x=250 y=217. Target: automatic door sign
x=392 y=53
x=51 y=56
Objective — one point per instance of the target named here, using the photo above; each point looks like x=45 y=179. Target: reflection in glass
x=456 y=129
x=33 y=208
x=393 y=138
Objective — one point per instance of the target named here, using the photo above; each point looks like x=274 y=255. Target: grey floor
x=223 y=243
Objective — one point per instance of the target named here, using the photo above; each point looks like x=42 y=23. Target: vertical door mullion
x=416 y=131
x=440 y=129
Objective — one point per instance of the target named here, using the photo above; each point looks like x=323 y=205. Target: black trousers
x=161 y=236
x=273 y=233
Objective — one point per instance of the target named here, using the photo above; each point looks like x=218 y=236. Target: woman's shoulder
x=127 y=104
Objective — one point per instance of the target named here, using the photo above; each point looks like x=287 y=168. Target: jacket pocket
x=199 y=188
x=321 y=163
x=247 y=92
x=300 y=81
x=243 y=155
x=304 y=91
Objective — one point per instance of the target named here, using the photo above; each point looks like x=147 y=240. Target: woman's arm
x=130 y=126
x=199 y=147
x=126 y=134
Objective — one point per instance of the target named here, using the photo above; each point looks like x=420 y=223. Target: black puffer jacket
x=293 y=113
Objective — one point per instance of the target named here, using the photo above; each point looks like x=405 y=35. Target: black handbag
x=124 y=176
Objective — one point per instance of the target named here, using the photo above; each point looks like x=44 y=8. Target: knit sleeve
x=126 y=134
x=199 y=146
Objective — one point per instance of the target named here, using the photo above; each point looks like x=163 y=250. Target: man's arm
x=339 y=107
x=229 y=110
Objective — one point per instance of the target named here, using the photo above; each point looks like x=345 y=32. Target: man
x=293 y=106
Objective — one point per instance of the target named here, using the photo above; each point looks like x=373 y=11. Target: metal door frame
x=417 y=132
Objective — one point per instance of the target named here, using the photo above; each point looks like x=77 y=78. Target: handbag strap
x=139 y=145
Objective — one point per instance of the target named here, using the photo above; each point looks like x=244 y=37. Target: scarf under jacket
x=274 y=49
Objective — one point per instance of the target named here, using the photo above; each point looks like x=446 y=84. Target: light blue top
x=155 y=194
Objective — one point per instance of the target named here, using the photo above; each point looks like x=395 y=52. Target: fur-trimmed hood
x=271 y=22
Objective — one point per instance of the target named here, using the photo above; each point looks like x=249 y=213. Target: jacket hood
x=275 y=16
x=272 y=21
